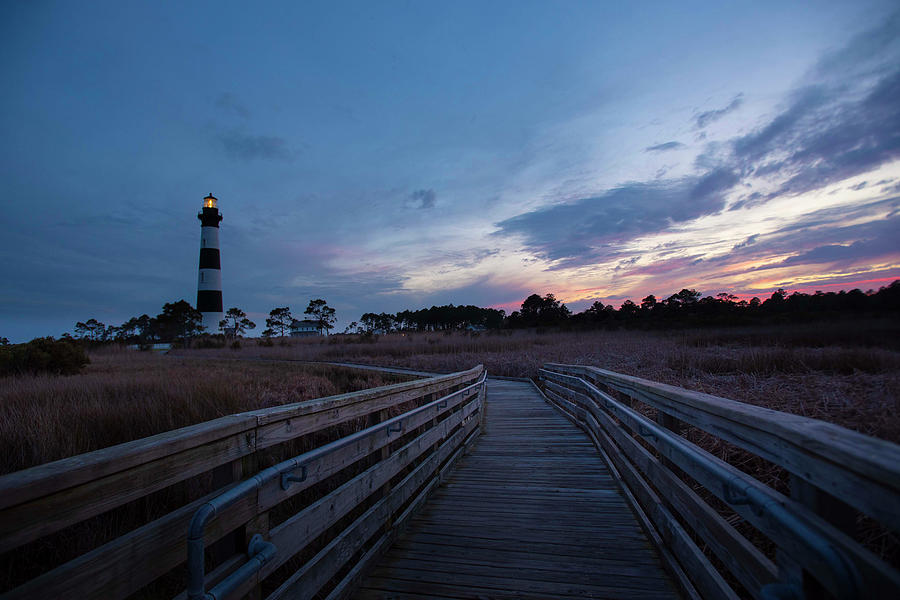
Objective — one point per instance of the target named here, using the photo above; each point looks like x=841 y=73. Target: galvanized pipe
x=195 y=542
x=735 y=491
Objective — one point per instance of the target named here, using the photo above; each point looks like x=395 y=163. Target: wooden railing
x=836 y=475
x=364 y=488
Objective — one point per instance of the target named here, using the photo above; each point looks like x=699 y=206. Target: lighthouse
x=209 y=283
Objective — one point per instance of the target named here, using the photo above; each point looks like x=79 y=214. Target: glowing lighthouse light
x=209 y=284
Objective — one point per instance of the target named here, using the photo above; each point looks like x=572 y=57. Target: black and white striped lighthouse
x=209 y=284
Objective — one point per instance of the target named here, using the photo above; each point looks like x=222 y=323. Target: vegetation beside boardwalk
x=125 y=395
x=846 y=372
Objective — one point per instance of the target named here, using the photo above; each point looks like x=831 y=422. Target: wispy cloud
x=842 y=125
x=585 y=231
x=711 y=116
x=422 y=199
x=665 y=147
x=229 y=103
x=248 y=147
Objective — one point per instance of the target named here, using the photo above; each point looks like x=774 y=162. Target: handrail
x=21 y=486
x=259 y=553
x=862 y=470
x=37 y=502
x=845 y=568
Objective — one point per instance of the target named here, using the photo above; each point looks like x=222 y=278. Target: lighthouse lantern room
x=209 y=283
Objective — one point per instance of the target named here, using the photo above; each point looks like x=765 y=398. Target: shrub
x=43 y=355
x=211 y=341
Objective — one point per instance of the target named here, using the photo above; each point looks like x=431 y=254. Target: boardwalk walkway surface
x=532 y=512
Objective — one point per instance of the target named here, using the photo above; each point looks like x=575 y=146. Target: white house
x=305 y=328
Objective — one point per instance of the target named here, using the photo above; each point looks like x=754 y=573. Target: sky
x=396 y=155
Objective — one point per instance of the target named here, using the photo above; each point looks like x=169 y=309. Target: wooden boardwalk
x=532 y=512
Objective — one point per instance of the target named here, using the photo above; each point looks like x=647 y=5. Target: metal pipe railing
x=736 y=489
x=259 y=550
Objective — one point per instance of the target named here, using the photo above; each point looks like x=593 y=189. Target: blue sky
x=396 y=155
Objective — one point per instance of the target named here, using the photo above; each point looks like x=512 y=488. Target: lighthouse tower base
x=211 y=322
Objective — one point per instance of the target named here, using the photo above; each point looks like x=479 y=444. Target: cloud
x=876 y=239
x=747 y=242
x=839 y=124
x=228 y=102
x=585 y=231
x=822 y=139
x=710 y=116
x=843 y=122
x=422 y=199
x=247 y=147
x=664 y=147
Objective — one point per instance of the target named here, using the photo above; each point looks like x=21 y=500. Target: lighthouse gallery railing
x=406 y=457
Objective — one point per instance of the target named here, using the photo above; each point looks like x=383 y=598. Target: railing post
x=385 y=489
x=672 y=424
x=258 y=524
x=483 y=408
x=230 y=472
x=827 y=507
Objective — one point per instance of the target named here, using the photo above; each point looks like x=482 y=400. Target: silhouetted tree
x=236 y=320
x=279 y=320
x=542 y=311
x=323 y=314
x=92 y=330
x=179 y=320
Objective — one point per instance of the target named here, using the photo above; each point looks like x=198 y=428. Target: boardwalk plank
x=532 y=512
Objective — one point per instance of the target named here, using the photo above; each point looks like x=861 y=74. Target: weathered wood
x=323 y=466
x=795 y=529
x=49 y=478
x=42 y=480
x=745 y=561
x=535 y=490
x=862 y=470
x=42 y=516
x=159 y=546
x=154 y=548
x=702 y=573
x=709 y=582
x=298 y=531
x=305 y=583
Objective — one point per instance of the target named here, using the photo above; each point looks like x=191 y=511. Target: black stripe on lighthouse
x=209 y=258
x=210 y=217
x=209 y=301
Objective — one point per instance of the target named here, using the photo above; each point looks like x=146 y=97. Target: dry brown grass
x=125 y=395
x=845 y=373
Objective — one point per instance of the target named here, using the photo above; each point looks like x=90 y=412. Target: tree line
x=179 y=321
x=687 y=307
x=436 y=318
x=690 y=308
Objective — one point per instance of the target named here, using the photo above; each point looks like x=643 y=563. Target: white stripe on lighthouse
x=211 y=322
x=209 y=279
x=209 y=237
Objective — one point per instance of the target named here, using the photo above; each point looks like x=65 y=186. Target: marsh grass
x=124 y=395
x=846 y=372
